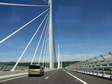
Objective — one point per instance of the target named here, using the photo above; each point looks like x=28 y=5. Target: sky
x=82 y=28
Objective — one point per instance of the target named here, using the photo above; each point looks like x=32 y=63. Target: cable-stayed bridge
x=46 y=39
x=91 y=71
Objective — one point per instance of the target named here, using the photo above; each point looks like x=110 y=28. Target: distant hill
x=65 y=63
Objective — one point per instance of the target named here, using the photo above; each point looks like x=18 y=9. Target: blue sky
x=83 y=28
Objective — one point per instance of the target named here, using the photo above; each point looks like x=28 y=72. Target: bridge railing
x=98 y=66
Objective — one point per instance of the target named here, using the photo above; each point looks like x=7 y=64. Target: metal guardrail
x=100 y=66
x=7 y=67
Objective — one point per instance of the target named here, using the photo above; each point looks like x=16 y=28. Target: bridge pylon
x=52 y=53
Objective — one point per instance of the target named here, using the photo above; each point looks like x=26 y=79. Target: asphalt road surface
x=91 y=79
x=58 y=77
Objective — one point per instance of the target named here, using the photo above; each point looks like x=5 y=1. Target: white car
x=35 y=70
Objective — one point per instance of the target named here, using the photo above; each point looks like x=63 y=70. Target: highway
x=57 y=77
x=91 y=79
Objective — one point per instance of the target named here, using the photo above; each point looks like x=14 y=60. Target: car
x=35 y=70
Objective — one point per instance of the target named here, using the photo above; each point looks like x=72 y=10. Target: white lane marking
x=47 y=77
x=11 y=79
x=75 y=77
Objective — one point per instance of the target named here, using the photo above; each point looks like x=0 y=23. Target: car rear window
x=34 y=67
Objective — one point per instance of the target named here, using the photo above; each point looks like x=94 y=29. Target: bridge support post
x=58 y=57
x=51 y=37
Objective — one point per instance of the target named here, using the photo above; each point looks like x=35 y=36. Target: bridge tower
x=52 y=53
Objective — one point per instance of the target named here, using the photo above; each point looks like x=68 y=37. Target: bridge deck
x=91 y=79
x=57 y=77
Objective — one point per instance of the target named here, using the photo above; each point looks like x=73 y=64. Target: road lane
x=75 y=77
x=91 y=79
x=61 y=77
x=26 y=80
x=52 y=77
x=11 y=78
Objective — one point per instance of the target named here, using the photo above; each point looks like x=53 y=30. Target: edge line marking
x=75 y=77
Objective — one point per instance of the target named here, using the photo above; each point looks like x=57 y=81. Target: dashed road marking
x=47 y=77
